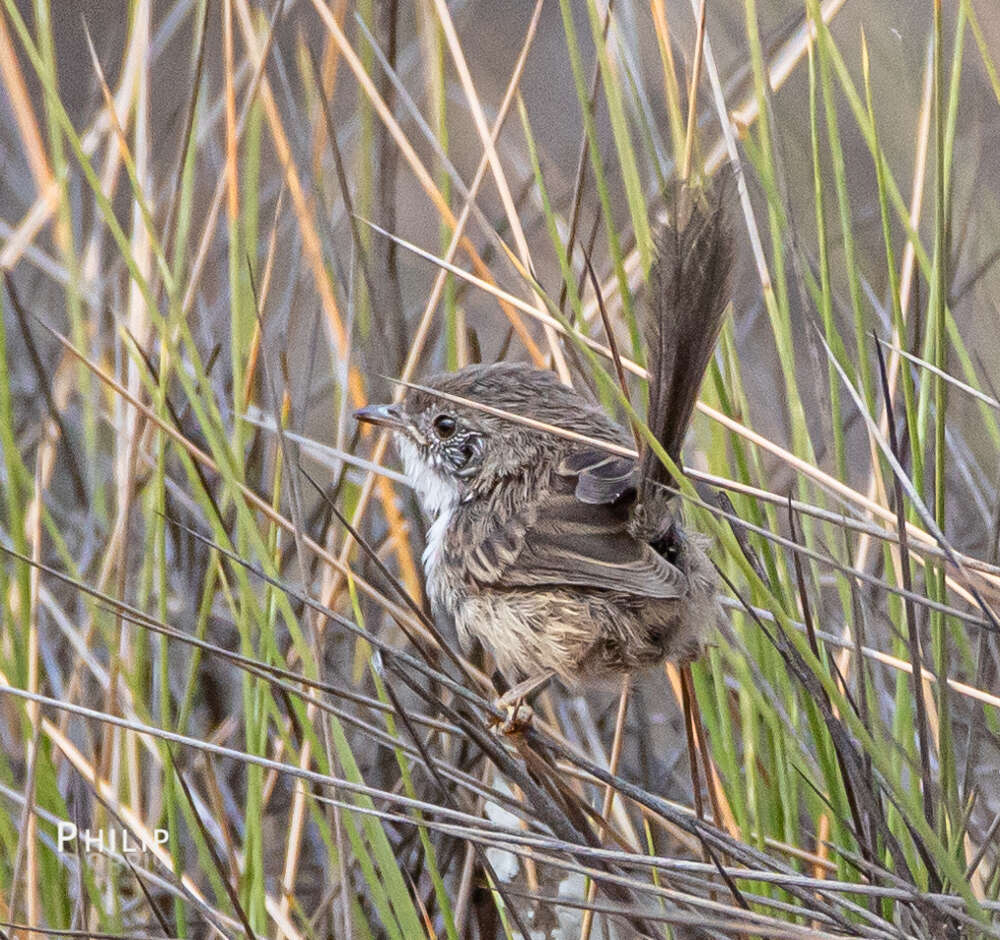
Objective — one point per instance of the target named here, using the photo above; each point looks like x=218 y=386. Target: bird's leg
x=514 y=702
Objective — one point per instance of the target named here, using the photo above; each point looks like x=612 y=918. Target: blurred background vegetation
x=224 y=224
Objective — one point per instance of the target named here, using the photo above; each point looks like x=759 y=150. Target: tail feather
x=689 y=297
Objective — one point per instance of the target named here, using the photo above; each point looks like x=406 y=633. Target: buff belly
x=582 y=635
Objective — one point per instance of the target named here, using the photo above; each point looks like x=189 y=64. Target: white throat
x=438 y=498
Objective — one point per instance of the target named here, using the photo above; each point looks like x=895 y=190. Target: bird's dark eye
x=444 y=426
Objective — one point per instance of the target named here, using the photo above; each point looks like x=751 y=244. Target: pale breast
x=438 y=498
x=434 y=552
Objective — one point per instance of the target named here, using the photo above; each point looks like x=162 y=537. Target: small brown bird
x=561 y=557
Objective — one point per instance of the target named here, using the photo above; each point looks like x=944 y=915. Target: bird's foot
x=518 y=714
x=517 y=717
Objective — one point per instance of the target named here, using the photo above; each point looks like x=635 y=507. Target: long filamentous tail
x=689 y=296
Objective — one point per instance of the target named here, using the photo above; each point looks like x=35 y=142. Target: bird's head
x=454 y=450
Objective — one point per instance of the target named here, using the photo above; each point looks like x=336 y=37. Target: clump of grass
x=213 y=620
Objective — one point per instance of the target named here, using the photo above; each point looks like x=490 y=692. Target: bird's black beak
x=390 y=416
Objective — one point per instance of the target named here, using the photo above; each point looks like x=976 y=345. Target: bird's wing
x=577 y=535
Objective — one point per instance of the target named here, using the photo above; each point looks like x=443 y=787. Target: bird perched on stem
x=559 y=552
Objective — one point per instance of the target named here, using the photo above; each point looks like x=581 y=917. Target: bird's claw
x=518 y=716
